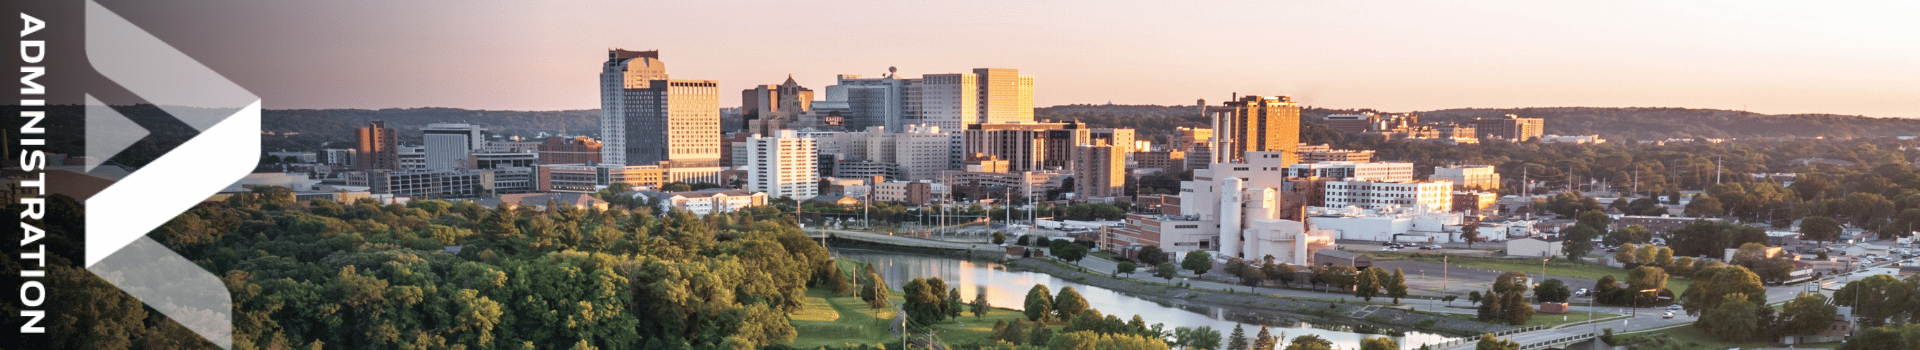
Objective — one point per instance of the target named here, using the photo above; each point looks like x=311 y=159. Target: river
x=1008 y=289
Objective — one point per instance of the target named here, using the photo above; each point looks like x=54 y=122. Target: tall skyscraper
x=769 y=108
x=647 y=119
x=950 y=101
x=782 y=164
x=1006 y=96
x=1256 y=124
x=1100 y=171
x=377 y=148
x=448 y=144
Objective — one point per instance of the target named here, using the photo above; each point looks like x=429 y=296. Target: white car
x=1673 y=307
x=1669 y=314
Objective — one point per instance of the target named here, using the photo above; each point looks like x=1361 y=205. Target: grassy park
x=1556 y=267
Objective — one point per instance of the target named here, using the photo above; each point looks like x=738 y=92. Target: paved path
x=905 y=240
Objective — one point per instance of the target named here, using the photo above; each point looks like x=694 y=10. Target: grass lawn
x=831 y=320
x=1557 y=267
x=1690 y=337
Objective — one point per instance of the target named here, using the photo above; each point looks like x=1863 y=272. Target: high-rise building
x=1256 y=124
x=1510 y=127
x=1100 y=171
x=871 y=102
x=1006 y=96
x=377 y=149
x=1028 y=146
x=769 y=108
x=781 y=165
x=1480 y=177
x=576 y=150
x=448 y=144
x=1121 y=139
x=1197 y=143
x=647 y=119
x=919 y=153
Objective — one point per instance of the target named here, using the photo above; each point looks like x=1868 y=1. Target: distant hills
x=1639 y=123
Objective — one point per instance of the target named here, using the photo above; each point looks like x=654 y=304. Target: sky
x=1855 y=58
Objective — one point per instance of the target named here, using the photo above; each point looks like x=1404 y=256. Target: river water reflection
x=1008 y=289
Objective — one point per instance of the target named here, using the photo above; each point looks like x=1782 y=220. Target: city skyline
x=1775 y=58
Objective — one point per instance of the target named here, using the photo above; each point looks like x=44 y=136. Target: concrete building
x=1473 y=201
x=1027 y=146
x=1197 y=143
x=1166 y=161
x=413 y=158
x=1256 y=123
x=1388 y=225
x=915 y=193
x=1349 y=123
x=770 y=108
x=706 y=201
x=1389 y=172
x=448 y=144
x=647 y=119
x=1331 y=257
x=1511 y=128
x=1120 y=139
x=987 y=95
x=1469 y=177
x=576 y=150
x=441 y=184
x=781 y=165
x=1536 y=247
x=870 y=102
x=1323 y=153
x=337 y=157
x=921 y=152
x=582 y=178
x=1100 y=171
x=1431 y=195
x=377 y=148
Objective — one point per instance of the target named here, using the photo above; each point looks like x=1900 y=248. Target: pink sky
x=1769 y=57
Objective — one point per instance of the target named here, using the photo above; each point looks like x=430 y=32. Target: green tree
x=1166 y=270
x=1151 y=255
x=1250 y=275
x=1264 y=340
x=1713 y=285
x=1125 y=267
x=1072 y=253
x=923 y=304
x=1068 y=303
x=1734 y=319
x=1367 y=284
x=980 y=306
x=1905 y=336
x=1397 y=285
x=999 y=237
x=1646 y=278
x=1203 y=338
x=1489 y=342
x=1238 y=341
x=1040 y=335
x=1807 y=314
x=1578 y=242
x=1819 y=228
x=955 y=305
x=1379 y=343
x=1879 y=297
x=1310 y=342
x=1625 y=255
x=1470 y=234
x=1552 y=291
x=1039 y=302
x=1198 y=262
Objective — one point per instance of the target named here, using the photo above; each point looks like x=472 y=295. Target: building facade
x=1469 y=177
x=448 y=144
x=647 y=119
x=1100 y=172
x=1431 y=195
x=1323 y=153
x=583 y=178
x=1510 y=127
x=781 y=165
x=378 y=148
x=576 y=150
x=1028 y=146
x=707 y=201
x=1390 y=172
x=1255 y=124
x=770 y=108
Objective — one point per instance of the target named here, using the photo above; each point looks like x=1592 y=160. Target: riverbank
x=1357 y=317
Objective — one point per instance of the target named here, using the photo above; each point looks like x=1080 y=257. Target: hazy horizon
x=1763 y=57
